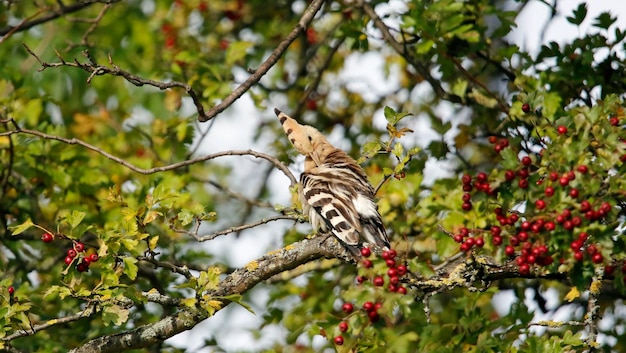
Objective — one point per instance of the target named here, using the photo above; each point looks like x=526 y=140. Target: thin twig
x=177 y=269
x=306 y=18
x=54 y=14
x=98 y=70
x=242 y=227
x=422 y=69
x=90 y=310
x=74 y=141
x=591 y=318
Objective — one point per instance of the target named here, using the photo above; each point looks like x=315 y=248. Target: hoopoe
x=334 y=190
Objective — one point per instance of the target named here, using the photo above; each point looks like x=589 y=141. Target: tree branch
x=54 y=14
x=98 y=70
x=73 y=141
x=306 y=18
x=238 y=282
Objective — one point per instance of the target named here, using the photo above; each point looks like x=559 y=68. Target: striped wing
x=339 y=198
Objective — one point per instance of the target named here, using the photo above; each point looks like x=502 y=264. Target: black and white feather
x=335 y=192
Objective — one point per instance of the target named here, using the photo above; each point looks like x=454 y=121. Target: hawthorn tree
x=111 y=201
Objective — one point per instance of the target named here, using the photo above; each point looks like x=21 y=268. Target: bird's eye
x=310 y=138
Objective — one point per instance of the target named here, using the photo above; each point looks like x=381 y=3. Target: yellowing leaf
x=130 y=267
x=22 y=227
x=153 y=242
x=573 y=294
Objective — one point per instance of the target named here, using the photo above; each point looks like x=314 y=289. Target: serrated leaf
x=130 y=267
x=22 y=227
x=189 y=302
x=153 y=242
x=459 y=87
x=579 y=14
x=62 y=292
x=114 y=314
x=185 y=216
x=151 y=216
x=75 y=218
x=573 y=294
x=237 y=51
x=237 y=298
x=398 y=149
x=128 y=243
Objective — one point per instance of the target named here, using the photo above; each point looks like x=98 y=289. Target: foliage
x=110 y=202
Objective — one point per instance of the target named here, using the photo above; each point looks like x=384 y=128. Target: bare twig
x=591 y=318
x=177 y=269
x=422 y=69
x=302 y=24
x=94 y=24
x=90 y=310
x=75 y=141
x=241 y=227
x=98 y=70
x=54 y=14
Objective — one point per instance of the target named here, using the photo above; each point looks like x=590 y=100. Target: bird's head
x=306 y=139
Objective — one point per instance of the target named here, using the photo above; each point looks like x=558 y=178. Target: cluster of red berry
x=527 y=231
x=394 y=273
x=73 y=253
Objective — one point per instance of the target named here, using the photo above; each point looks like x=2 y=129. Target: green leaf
x=130 y=267
x=185 y=216
x=605 y=20
x=114 y=314
x=22 y=227
x=237 y=51
x=75 y=218
x=579 y=14
x=237 y=298
x=459 y=87
x=398 y=149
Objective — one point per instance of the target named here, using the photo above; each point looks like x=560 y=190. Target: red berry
x=373 y=315
x=458 y=238
x=582 y=169
x=367 y=263
x=591 y=249
x=467 y=197
x=509 y=175
x=71 y=253
x=564 y=181
x=378 y=281
x=576 y=221
x=368 y=306
x=562 y=130
x=509 y=250
x=481 y=177
x=47 y=237
x=523 y=183
x=576 y=245
x=343 y=326
x=347 y=308
x=585 y=206
x=525 y=107
x=523 y=173
x=526 y=160
x=366 y=252
x=360 y=279
x=493 y=139
x=583 y=236
x=524 y=269
x=466 y=179
x=392 y=272
x=68 y=260
x=614 y=121
x=573 y=193
x=578 y=256
x=495 y=230
x=79 y=247
x=338 y=340
x=540 y=204
x=480 y=242
x=390 y=262
x=465 y=247
x=554 y=176
x=496 y=240
x=93 y=257
x=82 y=266
x=394 y=280
x=549 y=226
x=392 y=254
x=549 y=191
x=402 y=270
x=11 y=290
x=597 y=258
x=401 y=290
